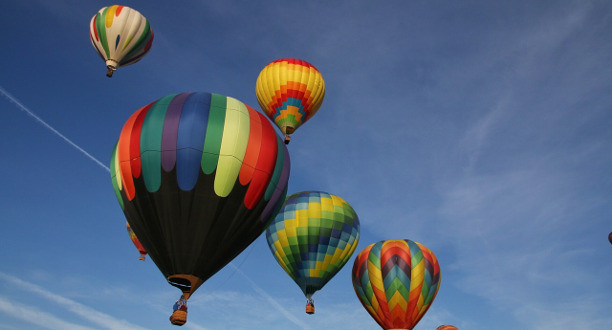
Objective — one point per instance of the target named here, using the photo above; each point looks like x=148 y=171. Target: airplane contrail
x=42 y=122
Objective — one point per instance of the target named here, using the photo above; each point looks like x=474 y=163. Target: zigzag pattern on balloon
x=396 y=281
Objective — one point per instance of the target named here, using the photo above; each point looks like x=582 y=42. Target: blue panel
x=190 y=142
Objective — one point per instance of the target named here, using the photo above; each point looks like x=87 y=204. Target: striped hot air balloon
x=396 y=281
x=121 y=35
x=312 y=237
x=198 y=177
x=290 y=91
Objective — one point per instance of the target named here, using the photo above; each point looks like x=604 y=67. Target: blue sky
x=478 y=128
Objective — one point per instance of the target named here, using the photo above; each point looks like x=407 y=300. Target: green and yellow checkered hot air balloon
x=312 y=237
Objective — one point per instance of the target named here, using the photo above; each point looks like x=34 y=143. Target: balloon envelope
x=290 y=91
x=447 y=327
x=396 y=281
x=198 y=176
x=312 y=237
x=120 y=35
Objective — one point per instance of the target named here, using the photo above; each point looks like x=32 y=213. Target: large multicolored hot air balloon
x=610 y=237
x=312 y=237
x=136 y=242
x=290 y=91
x=198 y=177
x=396 y=281
x=121 y=35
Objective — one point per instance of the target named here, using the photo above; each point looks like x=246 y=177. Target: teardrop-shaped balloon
x=121 y=35
x=198 y=176
x=312 y=237
x=396 y=281
x=290 y=91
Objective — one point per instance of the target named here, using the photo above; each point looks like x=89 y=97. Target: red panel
x=125 y=152
x=266 y=162
x=95 y=28
x=252 y=151
x=135 y=142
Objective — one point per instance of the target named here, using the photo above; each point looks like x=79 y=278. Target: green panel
x=214 y=133
x=101 y=27
x=234 y=143
x=150 y=142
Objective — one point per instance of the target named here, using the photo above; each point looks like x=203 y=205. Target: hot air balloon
x=312 y=237
x=610 y=237
x=121 y=35
x=198 y=177
x=447 y=327
x=290 y=91
x=136 y=242
x=396 y=281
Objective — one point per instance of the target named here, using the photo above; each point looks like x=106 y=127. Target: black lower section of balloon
x=192 y=232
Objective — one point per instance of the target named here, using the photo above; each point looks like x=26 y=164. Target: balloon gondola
x=198 y=177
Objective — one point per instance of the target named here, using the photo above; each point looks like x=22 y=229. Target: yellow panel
x=233 y=146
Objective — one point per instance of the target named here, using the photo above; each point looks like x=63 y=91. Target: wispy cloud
x=100 y=319
x=50 y=128
x=35 y=316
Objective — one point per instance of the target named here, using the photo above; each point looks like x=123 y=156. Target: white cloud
x=101 y=319
x=33 y=315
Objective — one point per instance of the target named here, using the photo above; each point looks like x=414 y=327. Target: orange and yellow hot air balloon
x=290 y=91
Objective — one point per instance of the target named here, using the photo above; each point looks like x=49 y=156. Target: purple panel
x=170 y=132
x=280 y=189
